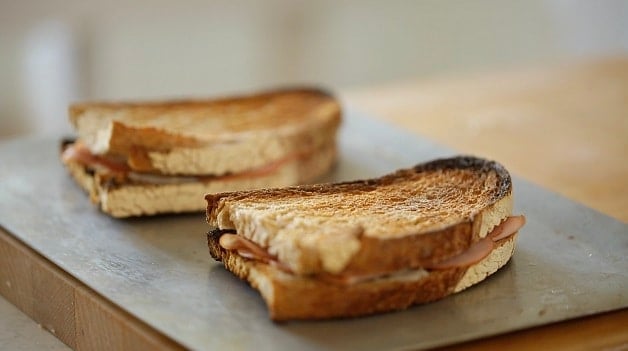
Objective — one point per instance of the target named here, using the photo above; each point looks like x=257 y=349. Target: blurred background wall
x=53 y=52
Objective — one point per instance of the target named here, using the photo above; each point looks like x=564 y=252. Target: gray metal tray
x=571 y=261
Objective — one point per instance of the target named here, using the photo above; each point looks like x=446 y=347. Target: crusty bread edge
x=77 y=108
x=291 y=297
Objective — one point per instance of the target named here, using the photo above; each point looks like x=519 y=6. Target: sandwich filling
x=229 y=240
x=118 y=169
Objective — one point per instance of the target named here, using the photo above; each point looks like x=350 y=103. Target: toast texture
x=146 y=158
x=437 y=209
x=386 y=231
x=215 y=136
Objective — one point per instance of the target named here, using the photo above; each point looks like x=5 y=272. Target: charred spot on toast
x=480 y=165
x=216 y=233
x=213 y=238
x=65 y=142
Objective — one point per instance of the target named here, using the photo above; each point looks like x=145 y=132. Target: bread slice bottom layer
x=297 y=297
x=138 y=199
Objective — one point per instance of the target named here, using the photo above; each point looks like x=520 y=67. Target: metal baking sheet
x=571 y=261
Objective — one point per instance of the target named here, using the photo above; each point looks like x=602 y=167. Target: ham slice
x=478 y=251
x=507 y=228
x=474 y=254
x=245 y=248
x=78 y=152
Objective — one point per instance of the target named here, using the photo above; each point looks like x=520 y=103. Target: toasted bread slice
x=405 y=219
x=209 y=137
x=360 y=247
x=158 y=157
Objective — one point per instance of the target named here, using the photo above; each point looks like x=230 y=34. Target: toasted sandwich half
x=369 y=246
x=158 y=157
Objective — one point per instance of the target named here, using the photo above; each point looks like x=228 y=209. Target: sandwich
x=148 y=158
x=368 y=246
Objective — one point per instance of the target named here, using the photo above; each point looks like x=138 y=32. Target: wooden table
x=565 y=128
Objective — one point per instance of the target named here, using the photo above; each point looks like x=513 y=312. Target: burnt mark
x=213 y=242
x=65 y=142
x=481 y=165
x=216 y=233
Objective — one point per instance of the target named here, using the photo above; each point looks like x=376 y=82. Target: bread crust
x=76 y=109
x=376 y=253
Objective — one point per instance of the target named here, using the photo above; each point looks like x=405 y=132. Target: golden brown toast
x=404 y=223
x=183 y=136
x=161 y=157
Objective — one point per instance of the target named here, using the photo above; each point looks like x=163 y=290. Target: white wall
x=54 y=51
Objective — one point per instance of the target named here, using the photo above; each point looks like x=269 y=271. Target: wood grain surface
x=67 y=308
x=564 y=127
